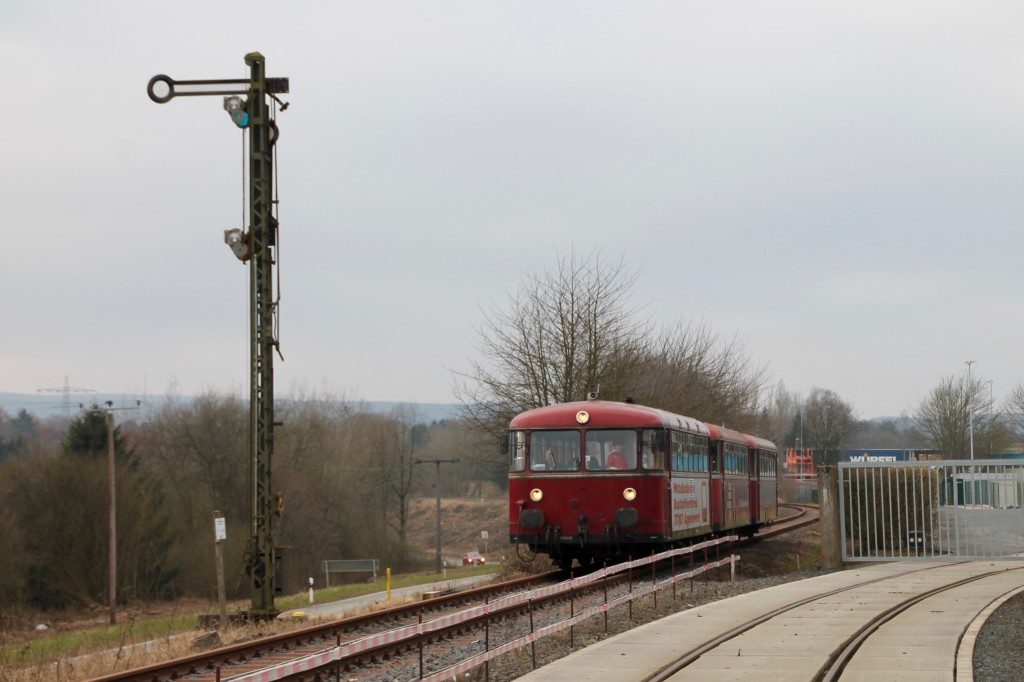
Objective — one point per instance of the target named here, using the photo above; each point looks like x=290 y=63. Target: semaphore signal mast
x=245 y=101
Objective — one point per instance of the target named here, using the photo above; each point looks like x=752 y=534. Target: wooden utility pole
x=112 y=551
x=108 y=413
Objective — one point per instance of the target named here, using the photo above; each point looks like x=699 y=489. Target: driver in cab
x=616 y=459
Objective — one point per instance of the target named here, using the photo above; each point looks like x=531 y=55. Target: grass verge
x=61 y=645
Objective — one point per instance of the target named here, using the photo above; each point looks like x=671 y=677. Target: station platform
x=931 y=641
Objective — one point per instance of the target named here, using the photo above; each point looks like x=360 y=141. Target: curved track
x=891 y=621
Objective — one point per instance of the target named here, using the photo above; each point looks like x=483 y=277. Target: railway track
x=231 y=662
x=421 y=637
x=803 y=515
x=865 y=634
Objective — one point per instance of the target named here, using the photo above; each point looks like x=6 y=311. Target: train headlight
x=629 y=494
x=536 y=495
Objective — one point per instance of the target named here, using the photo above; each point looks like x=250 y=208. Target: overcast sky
x=840 y=184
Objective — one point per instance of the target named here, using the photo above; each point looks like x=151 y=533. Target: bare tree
x=778 y=412
x=828 y=422
x=395 y=446
x=956 y=412
x=1013 y=411
x=692 y=371
x=567 y=332
x=574 y=330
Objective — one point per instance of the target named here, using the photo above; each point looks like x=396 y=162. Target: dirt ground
x=463 y=521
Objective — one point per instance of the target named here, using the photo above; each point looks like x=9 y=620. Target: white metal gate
x=942 y=510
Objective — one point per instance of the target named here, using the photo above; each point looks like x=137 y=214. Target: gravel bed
x=999 y=650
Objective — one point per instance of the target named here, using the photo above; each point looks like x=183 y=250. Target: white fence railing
x=940 y=510
x=414 y=633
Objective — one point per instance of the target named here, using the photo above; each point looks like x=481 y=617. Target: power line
x=68 y=391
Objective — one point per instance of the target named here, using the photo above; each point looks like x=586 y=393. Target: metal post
x=437 y=488
x=261 y=380
x=487 y=641
x=970 y=405
x=438 y=561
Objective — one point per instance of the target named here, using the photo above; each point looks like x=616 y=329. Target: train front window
x=554 y=451
x=611 y=449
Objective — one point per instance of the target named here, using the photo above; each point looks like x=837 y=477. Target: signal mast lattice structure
x=256 y=247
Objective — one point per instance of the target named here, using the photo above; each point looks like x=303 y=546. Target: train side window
x=516 y=450
x=653 y=449
x=735 y=458
x=678 y=450
x=689 y=452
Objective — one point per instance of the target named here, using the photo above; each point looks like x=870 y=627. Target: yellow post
x=389 y=583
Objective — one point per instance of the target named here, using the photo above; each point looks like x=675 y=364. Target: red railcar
x=601 y=480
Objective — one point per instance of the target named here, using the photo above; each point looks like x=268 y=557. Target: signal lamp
x=237 y=110
x=238 y=242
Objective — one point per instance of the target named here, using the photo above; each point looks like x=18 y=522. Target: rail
x=338 y=655
x=327 y=648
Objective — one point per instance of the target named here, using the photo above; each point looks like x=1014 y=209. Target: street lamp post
x=992 y=419
x=970 y=406
x=437 y=488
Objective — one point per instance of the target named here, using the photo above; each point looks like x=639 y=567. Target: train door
x=752 y=472
x=715 y=457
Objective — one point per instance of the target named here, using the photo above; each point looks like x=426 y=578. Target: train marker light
x=582 y=417
x=629 y=494
x=536 y=495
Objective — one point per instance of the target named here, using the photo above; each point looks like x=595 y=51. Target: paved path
x=919 y=645
x=348 y=607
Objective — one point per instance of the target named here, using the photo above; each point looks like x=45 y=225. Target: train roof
x=611 y=414
x=604 y=414
x=722 y=433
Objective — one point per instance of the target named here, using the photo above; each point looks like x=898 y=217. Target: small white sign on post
x=220 y=533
